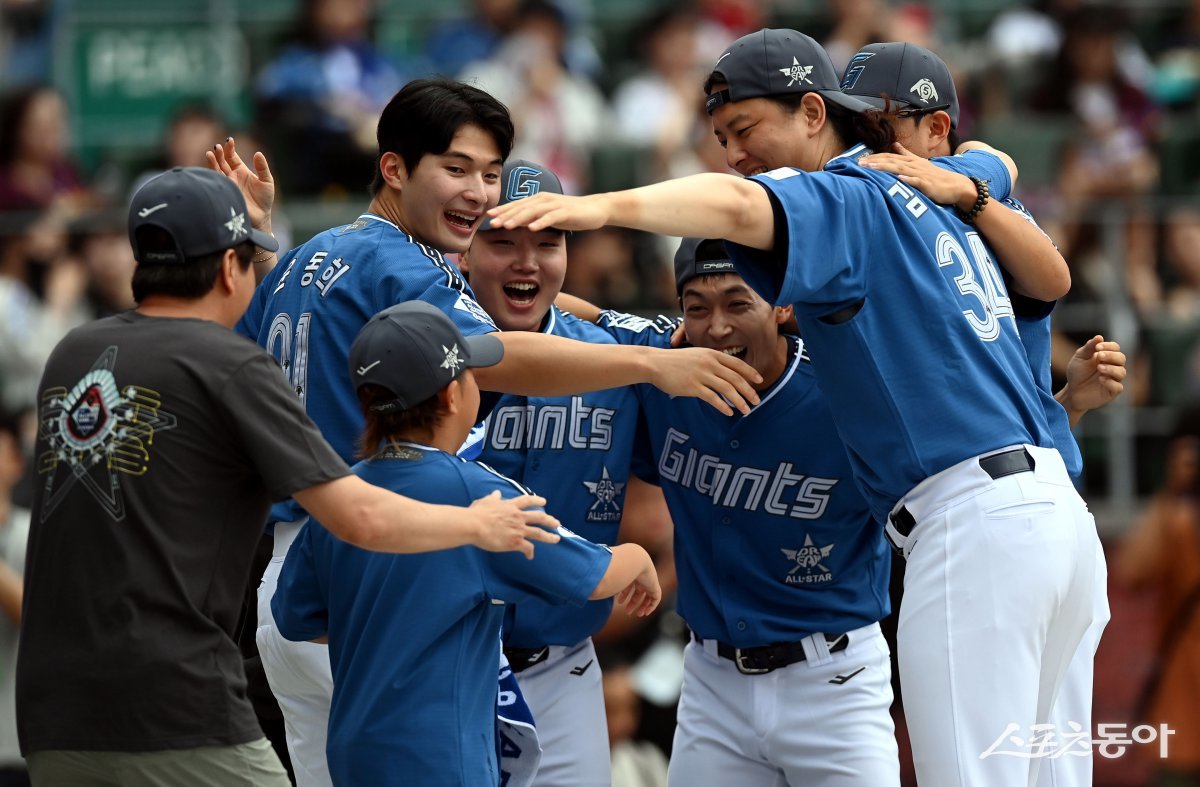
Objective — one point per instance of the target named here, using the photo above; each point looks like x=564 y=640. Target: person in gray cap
x=914 y=343
x=414 y=681
x=916 y=91
x=575 y=450
x=163 y=439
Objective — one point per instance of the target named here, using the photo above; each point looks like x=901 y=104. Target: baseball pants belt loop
x=768 y=658
x=1015 y=460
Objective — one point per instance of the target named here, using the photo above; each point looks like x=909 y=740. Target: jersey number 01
x=292 y=355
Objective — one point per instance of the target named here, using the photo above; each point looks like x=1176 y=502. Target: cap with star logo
x=414 y=350
x=202 y=210
x=906 y=75
x=774 y=62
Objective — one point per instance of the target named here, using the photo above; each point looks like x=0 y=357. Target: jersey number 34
x=980 y=281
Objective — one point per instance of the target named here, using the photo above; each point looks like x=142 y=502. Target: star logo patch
x=452 y=361
x=796 y=73
x=236 y=224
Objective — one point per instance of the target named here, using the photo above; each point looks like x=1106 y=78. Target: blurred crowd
x=1099 y=104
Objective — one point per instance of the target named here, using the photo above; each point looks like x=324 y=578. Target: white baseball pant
x=824 y=721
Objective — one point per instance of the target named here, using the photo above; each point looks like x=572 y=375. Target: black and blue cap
x=202 y=210
x=901 y=76
x=520 y=179
x=700 y=257
x=413 y=350
x=776 y=62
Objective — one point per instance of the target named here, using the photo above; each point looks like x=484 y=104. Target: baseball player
x=783 y=573
x=914 y=87
x=442 y=147
x=414 y=698
x=575 y=449
x=928 y=384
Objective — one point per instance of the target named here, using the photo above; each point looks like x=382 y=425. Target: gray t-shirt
x=162 y=443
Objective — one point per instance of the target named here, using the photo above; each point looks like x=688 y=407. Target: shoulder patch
x=355 y=226
x=783 y=173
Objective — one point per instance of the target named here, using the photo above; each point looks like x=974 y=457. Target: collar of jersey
x=392 y=224
x=553 y=319
x=794 y=362
x=853 y=152
x=415 y=444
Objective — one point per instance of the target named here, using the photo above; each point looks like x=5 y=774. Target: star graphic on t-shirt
x=796 y=72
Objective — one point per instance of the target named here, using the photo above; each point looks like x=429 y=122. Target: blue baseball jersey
x=575 y=451
x=413 y=638
x=1033 y=320
x=773 y=539
x=308 y=310
x=906 y=317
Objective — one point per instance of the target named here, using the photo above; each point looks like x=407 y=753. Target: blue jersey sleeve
x=300 y=605
x=814 y=212
x=445 y=288
x=982 y=165
x=631 y=329
x=562 y=573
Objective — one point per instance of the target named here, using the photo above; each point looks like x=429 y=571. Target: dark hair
x=13 y=112
x=870 y=128
x=380 y=427
x=425 y=115
x=193 y=279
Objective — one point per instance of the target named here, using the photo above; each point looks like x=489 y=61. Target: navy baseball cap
x=520 y=179
x=775 y=62
x=414 y=350
x=202 y=210
x=910 y=76
x=698 y=257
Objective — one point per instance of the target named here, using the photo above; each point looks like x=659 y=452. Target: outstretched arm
x=709 y=205
x=257 y=187
x=377 y=519
x=538 y=364
x=1037 y=267
x=1095 y=377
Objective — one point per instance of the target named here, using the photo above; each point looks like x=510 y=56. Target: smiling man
x=442 y=146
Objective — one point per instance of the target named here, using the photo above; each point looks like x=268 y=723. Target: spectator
x=634 y=763
x=35 y=171
x=559 y=116
x=856 y=23
x=191 y=130
x=451 y=46
x=324 y=93
x=655 y=106
x=99 y=242
x=1163 y=552
x=14 y=530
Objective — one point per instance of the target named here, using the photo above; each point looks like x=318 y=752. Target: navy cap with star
x=202 y=210
x=776 y=62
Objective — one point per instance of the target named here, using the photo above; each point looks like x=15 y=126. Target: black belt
x=521 y=659
x=768 y=658
x=996 y=466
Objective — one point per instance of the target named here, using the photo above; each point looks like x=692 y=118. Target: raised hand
x=257 y=185
x=509 y=525
x=1095 y=377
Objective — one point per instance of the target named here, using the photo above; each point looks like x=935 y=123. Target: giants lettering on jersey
x=530 y=427
x=779 y=491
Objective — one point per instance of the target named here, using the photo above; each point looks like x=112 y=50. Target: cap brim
x=485 y=349
x=852 y=103
x=263 y=240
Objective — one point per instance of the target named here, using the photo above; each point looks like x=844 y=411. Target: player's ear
x=812 y=109
x=937 y=126
x=784 y=315
x=451 y=398
x=393 y=170
x=464 y=261
x=227 y=275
